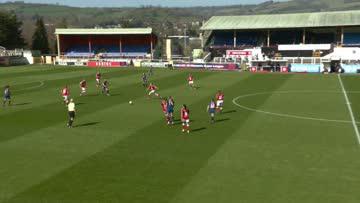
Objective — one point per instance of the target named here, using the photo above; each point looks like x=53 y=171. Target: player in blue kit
x=211 y=108
x=145 y=80
x=7 y=95
x=170 y=110
x=105 y=88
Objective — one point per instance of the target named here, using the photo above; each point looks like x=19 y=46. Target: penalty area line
x=348 y=104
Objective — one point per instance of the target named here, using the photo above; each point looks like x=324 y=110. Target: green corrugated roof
x=103 y=31
x=297 y=20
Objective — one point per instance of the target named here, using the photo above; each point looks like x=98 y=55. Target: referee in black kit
x=71 y=111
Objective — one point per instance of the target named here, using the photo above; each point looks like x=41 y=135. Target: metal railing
x=305 y=60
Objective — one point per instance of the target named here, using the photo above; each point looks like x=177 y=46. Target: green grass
x=126 y=153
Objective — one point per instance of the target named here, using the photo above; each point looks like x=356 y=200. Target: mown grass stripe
x=66 y=147
x=48 y=95
x=59 y=83
x=27 y=97
x=43 y=71
x=151 y=165
x=46 y=115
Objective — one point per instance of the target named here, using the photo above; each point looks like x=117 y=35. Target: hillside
x=163 y=20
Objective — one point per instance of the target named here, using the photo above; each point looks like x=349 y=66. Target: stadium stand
x=242 y=38
x=299 y=38
x=105 y=43
x=275 y=29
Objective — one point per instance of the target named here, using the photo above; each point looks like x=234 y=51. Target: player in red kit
x=191 y=81
x=65 y=92
x=98 y=79
x=152 y=90
x=164 y=107
x=185 y=119
x=83 y=86
x=219 y=101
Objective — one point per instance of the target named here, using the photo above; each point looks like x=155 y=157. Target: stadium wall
x=13 y=61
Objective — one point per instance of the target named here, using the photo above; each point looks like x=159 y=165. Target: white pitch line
x=41 y=83
x=348 y=104
x=290 y=115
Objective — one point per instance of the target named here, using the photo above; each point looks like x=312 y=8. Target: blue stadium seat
x=108 y=50
x=79 y=51
x=321 y=38
x=223 y=39
x=242 y=38
x=351 y=38
x=136 y=48
x=246 y=38
x=286 y=37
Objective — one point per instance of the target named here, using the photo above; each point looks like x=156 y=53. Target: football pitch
x=281 y=138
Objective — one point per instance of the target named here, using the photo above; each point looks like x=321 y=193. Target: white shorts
x=65 y=98
x=98 y=80
x=219 y=102
x=186 y=122
x=191 y=82
x=152 y=92
x=83 y=89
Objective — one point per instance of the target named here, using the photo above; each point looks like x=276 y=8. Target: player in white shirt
x=71 y=111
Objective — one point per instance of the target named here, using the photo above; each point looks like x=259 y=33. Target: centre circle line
x=289 y=115
x=41 y=83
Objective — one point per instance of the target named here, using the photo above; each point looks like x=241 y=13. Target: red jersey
x=164 y=106
x=65 y=92
x=185 y=114
x=152 y=87
x=98 y=76
x=220 y=96
x=83 y=84
x=190 y=78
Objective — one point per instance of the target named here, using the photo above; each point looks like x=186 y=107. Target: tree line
x=11 y=36
x=10 y=31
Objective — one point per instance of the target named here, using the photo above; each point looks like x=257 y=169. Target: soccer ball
x=130 y=102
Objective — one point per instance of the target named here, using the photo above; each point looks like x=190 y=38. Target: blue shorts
x=211 y=111
x=7 y=97
x=170 y=110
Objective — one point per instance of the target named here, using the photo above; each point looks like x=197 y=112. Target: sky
x=131 y=3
